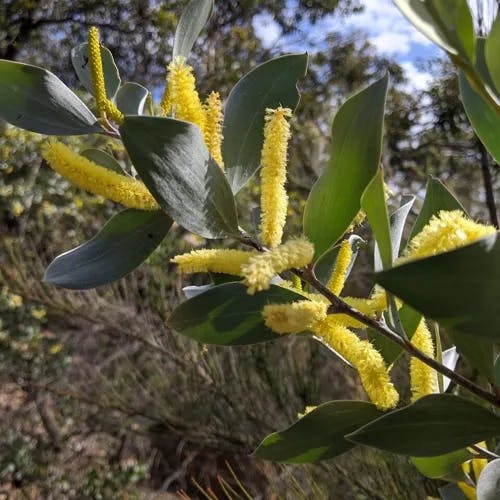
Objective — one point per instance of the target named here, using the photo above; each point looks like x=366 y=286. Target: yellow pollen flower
x=104 y=105
x=445 y=231
x=215 y=261
x=96 y=179
x=273 y=199
x=261 y=268
x=423 y=377
x=181 y=97
x=213 y=127
x=365 y=358
x=342 y=262
x=295 y=317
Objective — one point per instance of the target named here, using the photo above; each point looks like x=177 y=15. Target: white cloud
x=266 y=28
x=417 y=79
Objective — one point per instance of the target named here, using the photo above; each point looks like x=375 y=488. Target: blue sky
x=386 y=28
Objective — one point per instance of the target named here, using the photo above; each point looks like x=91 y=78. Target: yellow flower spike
x=104 y=105
x=365 y=358
x=216 y=261
x=342 y=262
x=213 y=127
x=445 y=231
x=295 y=317
x=181 y=97
x=274 y=200
x=96 y=179
x=423 y=378
x=261 y=268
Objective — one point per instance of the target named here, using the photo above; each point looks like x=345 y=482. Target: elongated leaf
x=120 y=246
x=447 y=467
x=103 y=159
x=434 y=425
x=34 y=99
x=269 y=85
x=374 y=205
x=80 y=60
x=334 y=200
x=325 y=264
x=491 y=53
x=193 y=19
x=459 y=289
x=131 y=98
x=174 y=163
x=227 y=315
x=488 y=485
x=437 y=197
x=448 y=23
x=319 y=435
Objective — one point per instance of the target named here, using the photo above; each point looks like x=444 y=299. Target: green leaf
x=227 y=315
x=448 y=23
x=34 y=99
x=334 y=200
x=131 y=98
x=491 y=51
x=479 y=352
x=120 y=246
x=437 y=198
x=193 y=19
x=446 y=467
x=103 y=159
x=323 y=267
x=374 y=205
x=434 y=425
x=488 y=485
x=319 y=435
x=459 y=289
x=269 y=85
x=484 y=119
x=174 y=163
x=80 y=60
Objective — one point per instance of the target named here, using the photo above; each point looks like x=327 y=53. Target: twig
x=483 y=452
x=488 y=185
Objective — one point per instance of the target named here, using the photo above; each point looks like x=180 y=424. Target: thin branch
x=483 y=452
x=488 y=185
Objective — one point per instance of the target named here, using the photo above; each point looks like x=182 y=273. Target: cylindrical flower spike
x=344 y=256
x=274 y=200
x=261 y=268
x=445 y=231
x=296 y=317
x=96 y=179
x=214 y=260
x=104 y=105
x=213 y=127
x=181 y=97
x=423 y=377
x=365 y=358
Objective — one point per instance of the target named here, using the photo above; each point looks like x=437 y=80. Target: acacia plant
x=186 y=161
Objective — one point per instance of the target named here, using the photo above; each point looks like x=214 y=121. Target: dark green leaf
x=103 y=159
x=319 y=435
x=34 y=99
x=227 y=315
x=119 y=247
x=80 y=60
x=448 y=23
x=174 y=163
x=325 y=264
x=269 y=85
x=374 y=205
x=447 y=467
x=334 y=200
x=488 y=485
x=459 y=289
x=131 y=98
x=434 y=425
x=193 y=19
x=491 y=53
x=437 y=198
